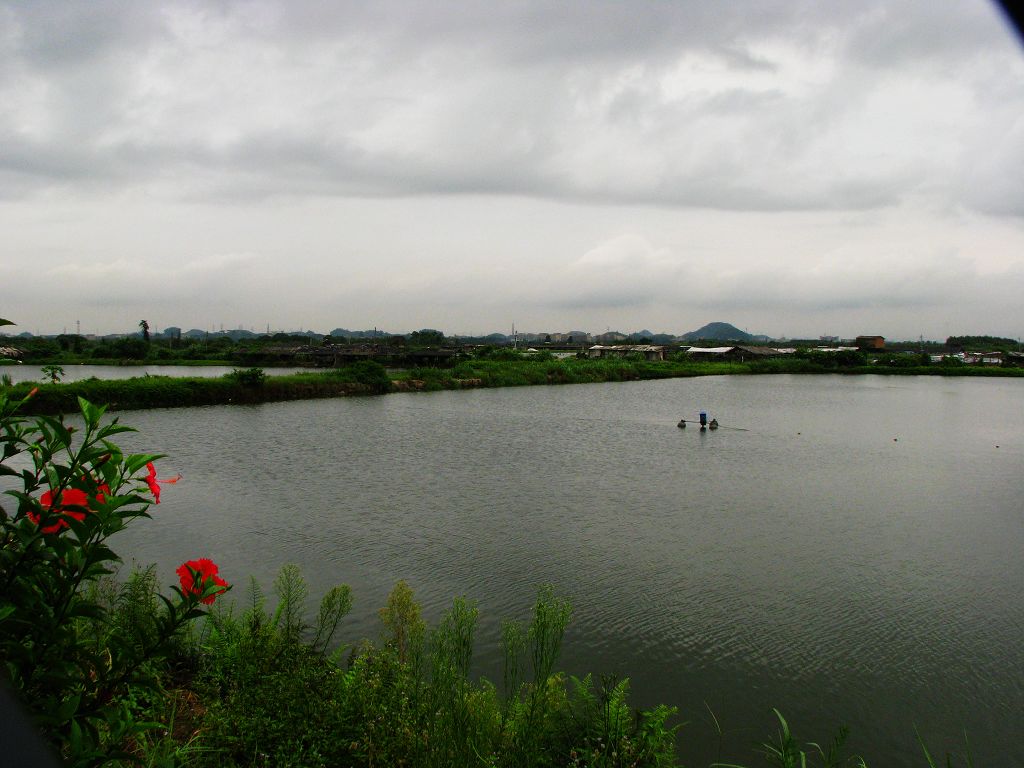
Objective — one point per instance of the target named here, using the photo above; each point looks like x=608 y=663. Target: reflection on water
x=853 y=557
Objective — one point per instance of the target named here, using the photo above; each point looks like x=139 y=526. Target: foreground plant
x=787 y=752
x=73 y=667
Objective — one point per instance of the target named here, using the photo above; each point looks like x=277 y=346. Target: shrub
x=74 y=663
x=247 y=377
x=271 y=689
x=372 y=375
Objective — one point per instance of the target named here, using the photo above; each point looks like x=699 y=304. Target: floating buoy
x=682 y=424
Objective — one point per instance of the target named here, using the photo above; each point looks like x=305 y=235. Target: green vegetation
x=239 y=387
x=371 y=376
x=249 y=377
x=983 y=343
x=271 y=693
x=500 y=368
x=52 y=372
x=172 y=347
x=82 y=660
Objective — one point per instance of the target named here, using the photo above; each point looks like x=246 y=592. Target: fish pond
x=847 y=549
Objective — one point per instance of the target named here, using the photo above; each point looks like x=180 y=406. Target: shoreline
x=146 y=392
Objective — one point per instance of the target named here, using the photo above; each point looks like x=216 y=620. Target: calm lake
x=847 y=549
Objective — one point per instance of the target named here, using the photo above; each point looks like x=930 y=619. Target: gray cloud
x=747 y=106
x=604 y=163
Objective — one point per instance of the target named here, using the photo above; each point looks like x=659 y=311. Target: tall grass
x=262 y=685
x=268 y=688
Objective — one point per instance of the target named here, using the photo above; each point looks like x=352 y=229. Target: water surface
x=853 y=556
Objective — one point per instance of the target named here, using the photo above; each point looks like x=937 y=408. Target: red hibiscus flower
x=71 y=502
x=196 y=575
x=154 y=482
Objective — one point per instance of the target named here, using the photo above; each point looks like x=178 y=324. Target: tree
x=130 y=349
x=145 y=330
x=427 y=337
x=52 y=372
x=70 y=342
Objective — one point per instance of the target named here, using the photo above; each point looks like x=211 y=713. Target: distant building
x=983 y=358
x=571 y=337
x=649 y=351
x=737 y=353
x=870 y=342
x=710 y=353
x=611 y=337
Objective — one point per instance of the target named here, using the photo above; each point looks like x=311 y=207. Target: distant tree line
x=982 y=343
x=171 y=345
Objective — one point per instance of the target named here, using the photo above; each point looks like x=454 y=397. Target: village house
x=736 y=353
x=983 y=358
x=649 y=351
x=870 y=342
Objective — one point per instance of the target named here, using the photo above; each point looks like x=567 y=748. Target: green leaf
x=68 y=708
x=6 y=322
x=76 y=738
x=86 y=610
x=137 y=461
x=91 y=413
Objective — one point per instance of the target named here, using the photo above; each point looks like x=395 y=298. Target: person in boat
x=713 y=424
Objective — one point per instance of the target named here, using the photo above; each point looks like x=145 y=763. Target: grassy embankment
x=250 y=386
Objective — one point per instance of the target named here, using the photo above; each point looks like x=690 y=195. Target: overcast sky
x=795 y=168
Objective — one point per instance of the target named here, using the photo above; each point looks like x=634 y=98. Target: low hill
x=652 y=337
x=719 y=332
